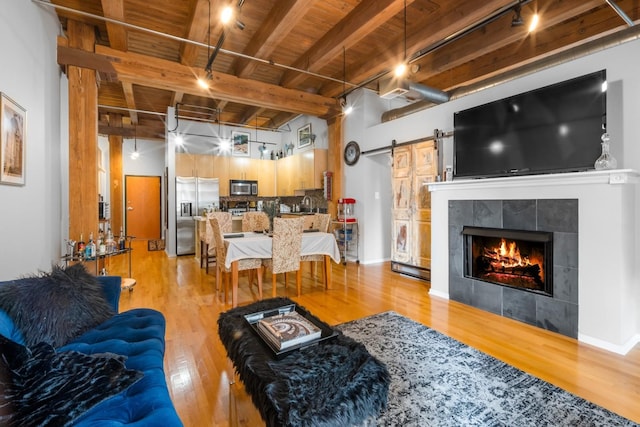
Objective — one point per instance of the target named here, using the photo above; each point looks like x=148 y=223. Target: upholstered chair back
x=321 y=222
x=254 y=221
x=287 y=244
x=225 y=221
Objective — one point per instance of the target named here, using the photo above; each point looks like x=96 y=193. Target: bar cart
x=100 y=259
x=345 y=228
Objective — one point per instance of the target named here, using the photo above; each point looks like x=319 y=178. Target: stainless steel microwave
x=241 y=187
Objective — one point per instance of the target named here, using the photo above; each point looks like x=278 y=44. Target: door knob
x=129 y=208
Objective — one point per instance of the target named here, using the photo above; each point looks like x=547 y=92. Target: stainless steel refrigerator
x=193 y=196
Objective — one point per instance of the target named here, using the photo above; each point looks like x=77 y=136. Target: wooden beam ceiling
x=292 y=56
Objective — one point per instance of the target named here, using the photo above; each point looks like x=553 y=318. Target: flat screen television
x=556 y=128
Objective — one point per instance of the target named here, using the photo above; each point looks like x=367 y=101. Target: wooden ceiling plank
x=362 y=20
x=249 y=116
x=282 y=18
x=167 y=75
x=114 y=9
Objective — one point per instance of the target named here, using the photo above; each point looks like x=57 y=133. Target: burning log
x=506 y=265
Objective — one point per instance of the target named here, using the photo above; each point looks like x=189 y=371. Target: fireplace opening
x=515 y=258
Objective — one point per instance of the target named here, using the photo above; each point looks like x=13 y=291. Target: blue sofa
x=138 y=335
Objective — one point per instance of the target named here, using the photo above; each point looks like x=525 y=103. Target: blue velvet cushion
x=139 y=335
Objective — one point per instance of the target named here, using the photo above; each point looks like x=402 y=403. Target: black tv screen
x=553 y=129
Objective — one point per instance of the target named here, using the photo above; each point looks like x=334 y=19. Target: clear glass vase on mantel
x=606 y=160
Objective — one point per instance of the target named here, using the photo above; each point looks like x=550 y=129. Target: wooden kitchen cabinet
x=309 y=168
x=185 y=165
x=301 y=171
x=204 y=166
x=221 y=171
x=285 y=173
x=244 y=168
x=266 y=178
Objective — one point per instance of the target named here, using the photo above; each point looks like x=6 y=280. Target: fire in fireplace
x=515 y=258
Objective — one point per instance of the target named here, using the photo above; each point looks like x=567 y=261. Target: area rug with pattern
x=438 y=381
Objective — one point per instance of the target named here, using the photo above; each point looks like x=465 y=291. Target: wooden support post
x=115 y=175
x=334 y=164
x=83 y=137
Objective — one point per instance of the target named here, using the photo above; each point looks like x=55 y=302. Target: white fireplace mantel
x=609 y=295
x=613 y=177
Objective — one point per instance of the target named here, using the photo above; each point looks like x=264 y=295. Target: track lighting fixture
x=517 y=17
x=228 y=14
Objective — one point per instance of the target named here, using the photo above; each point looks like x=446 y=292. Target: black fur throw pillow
x=55 y=307
x=39 y=386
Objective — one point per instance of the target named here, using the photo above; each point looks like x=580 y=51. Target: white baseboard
x=605 y=345
x=439 y=294
x=374 y=261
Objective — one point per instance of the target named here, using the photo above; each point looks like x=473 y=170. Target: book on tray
x=288 y=329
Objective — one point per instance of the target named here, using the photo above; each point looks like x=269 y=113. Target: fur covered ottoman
x=334 y=383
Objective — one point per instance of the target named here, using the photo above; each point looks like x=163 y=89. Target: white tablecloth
x=255 y=245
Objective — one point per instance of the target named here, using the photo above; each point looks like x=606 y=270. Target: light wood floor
x=196 y=365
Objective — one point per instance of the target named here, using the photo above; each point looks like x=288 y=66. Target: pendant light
x=135 y=154
x=401 y=69
x=346 y=108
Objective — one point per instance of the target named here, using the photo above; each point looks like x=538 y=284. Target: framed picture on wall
x=304 y=136
x=13 y=126
x=240 y=144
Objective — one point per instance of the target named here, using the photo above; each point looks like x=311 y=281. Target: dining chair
x=287 y=245
x=321 y=223
x=208 y=246
x=254 y=221
x=243 y=264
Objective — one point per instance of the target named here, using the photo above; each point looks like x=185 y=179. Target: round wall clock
x=351 y=153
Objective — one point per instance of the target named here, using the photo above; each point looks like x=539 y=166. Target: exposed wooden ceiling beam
x=283 y=17
x=163 y=74
x=457 y=18
x=144 y=132
x=534 y=49
x=114 y=9
x=131 y=101
x=198 y=30
x=498 y=34
x=367 y=16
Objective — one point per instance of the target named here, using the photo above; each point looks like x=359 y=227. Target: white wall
x=30 y=216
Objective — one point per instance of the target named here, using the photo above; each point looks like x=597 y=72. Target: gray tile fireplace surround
x=560 y=216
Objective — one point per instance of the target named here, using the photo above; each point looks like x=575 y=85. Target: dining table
x=260 y=245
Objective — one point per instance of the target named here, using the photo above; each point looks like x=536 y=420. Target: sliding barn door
x=414 y=167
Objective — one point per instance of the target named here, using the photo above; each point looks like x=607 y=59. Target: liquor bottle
x=90 y=249
x=121 y=240
x=81 y=246
x=111 y=243
x=100 y=246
